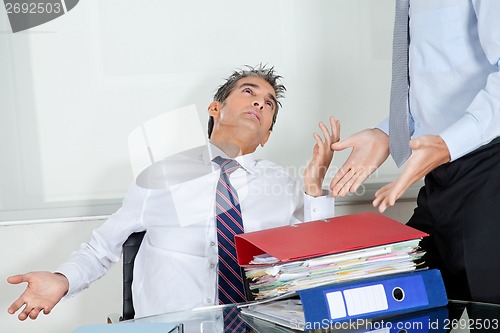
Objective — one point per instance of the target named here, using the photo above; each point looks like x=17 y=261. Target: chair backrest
x=130 y=248
x=155 y=139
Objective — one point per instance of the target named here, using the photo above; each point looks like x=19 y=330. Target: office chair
x=155 y=139
x=130 y=248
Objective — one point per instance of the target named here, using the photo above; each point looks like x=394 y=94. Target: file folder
x=375 y=297
x=433 y=320
x=323 y=237
x=371 y=298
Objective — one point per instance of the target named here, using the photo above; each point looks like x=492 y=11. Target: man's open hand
x=428 y=152
x=43 y=292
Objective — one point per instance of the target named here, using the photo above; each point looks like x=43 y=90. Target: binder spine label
x=335 y=302
x=357 y=301
x=391 y=295
x=365 y=299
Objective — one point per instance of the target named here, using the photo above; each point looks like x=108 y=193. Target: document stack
x=279 y=279
x=283 y=260
x=343 y=268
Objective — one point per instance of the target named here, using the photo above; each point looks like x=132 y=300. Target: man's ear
x=264 y=140
x=214 y=109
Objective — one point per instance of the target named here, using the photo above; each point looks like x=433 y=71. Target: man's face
x=249 y=107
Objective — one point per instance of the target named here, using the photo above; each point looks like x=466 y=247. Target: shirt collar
x=247 y=161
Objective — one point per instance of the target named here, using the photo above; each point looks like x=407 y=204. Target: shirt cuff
x=384 y=126
x=71 y=272
x=462 y=137
x=317 y=208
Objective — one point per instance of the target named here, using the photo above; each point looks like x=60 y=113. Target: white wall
x=72 y=90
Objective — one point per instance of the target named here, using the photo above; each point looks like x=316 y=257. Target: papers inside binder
x=266 y=281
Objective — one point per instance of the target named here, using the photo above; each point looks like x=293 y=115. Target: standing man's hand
x=43 y=292
x=370 y=148
x=321 y=159
x=428 y=152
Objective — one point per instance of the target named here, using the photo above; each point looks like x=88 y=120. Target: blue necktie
x=232 y=321
x=229 y=224
x=399 y=126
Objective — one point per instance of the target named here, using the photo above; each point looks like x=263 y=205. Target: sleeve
x=384 y=125
x=93 y=259
x=481 y=122
x=317 y=208
x=309 y=208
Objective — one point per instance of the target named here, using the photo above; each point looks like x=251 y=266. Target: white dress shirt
x=454 y=60
x=176 y=266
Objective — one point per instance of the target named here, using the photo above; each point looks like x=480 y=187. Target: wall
x=73 y=89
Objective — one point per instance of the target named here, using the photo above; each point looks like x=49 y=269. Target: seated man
x=188 y=248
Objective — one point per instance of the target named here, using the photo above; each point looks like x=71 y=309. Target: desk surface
x=457 y=317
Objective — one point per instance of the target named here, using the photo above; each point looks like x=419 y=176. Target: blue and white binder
x=432 y=320
x=377 y=297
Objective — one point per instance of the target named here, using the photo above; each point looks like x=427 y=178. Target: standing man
x=187 y=256
x=453 y=117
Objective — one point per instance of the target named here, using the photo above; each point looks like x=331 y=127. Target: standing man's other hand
x=428 y=152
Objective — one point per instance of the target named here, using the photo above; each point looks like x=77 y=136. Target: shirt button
x=212 y=243
x=209 y=301
x=212 y=266
x=315 y=210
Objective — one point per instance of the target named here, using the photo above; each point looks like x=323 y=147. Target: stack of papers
x=269 y=277
x=287 y=259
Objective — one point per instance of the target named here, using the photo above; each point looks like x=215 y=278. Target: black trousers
x=459 y=207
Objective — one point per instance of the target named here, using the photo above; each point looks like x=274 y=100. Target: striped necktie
x=399 y=126
x=229 y=224
x=232 y=321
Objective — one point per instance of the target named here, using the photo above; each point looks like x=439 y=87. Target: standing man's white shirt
x=176 y=267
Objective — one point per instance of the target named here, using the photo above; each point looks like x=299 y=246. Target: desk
x=457 y=317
